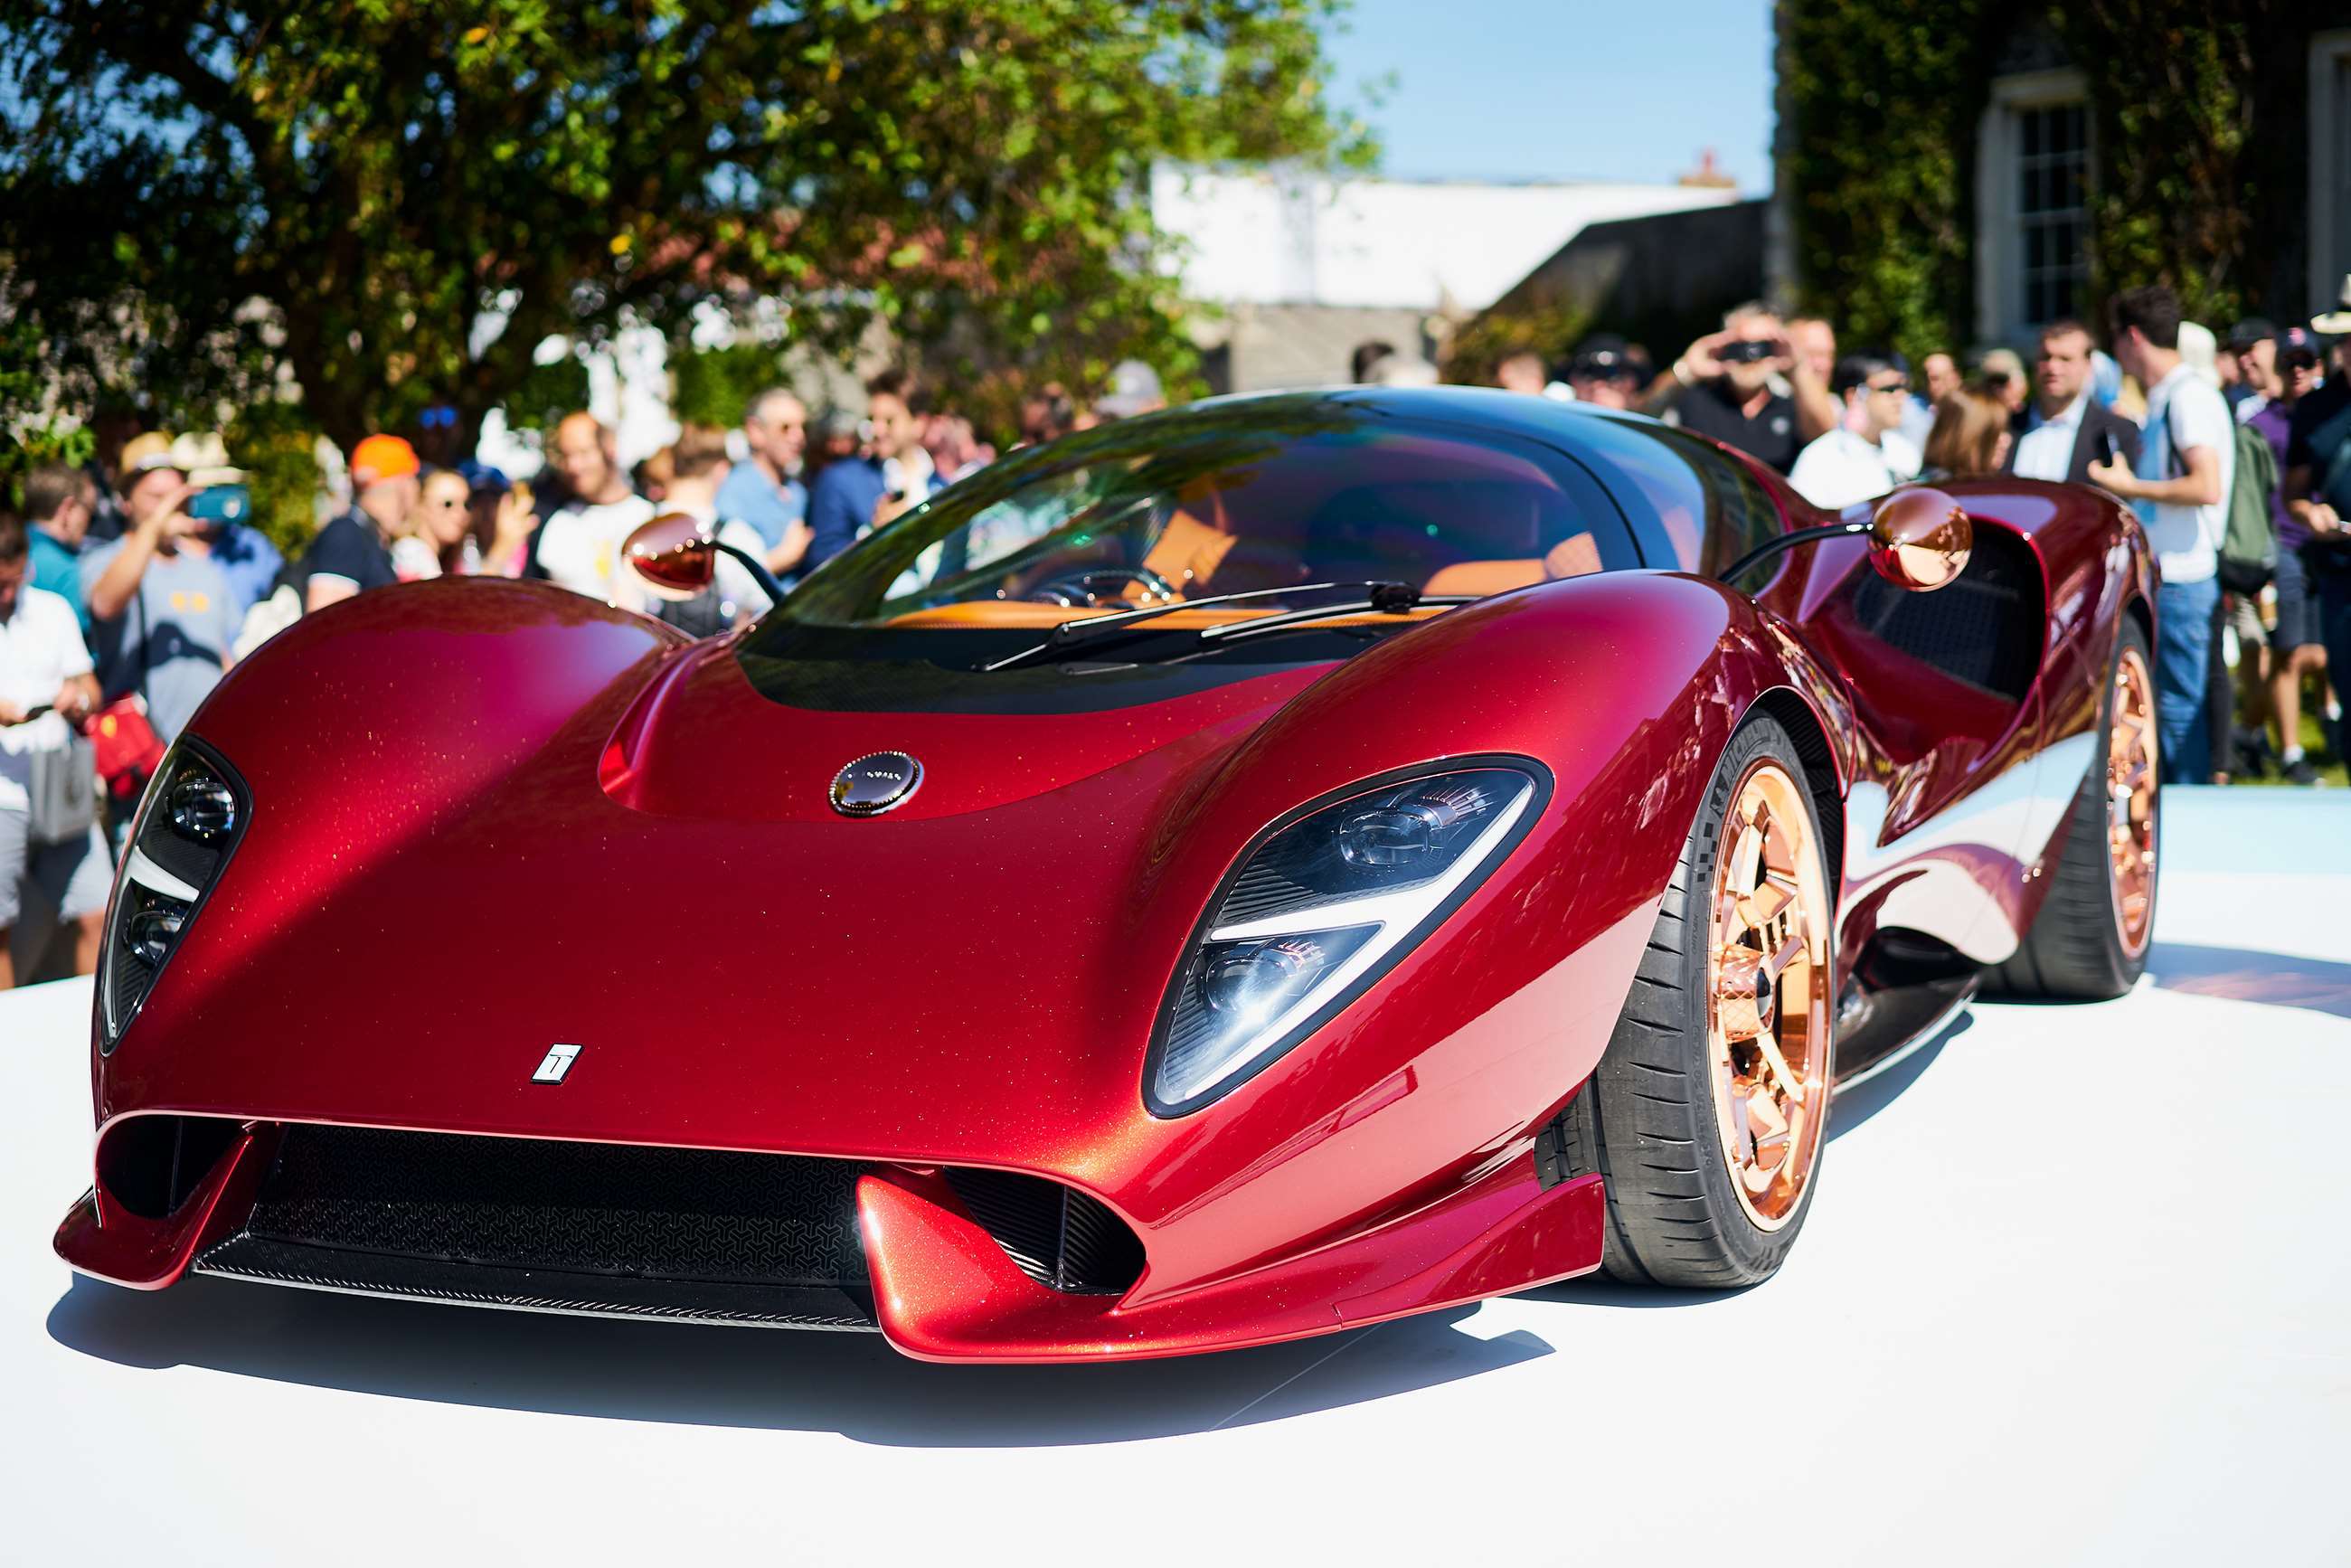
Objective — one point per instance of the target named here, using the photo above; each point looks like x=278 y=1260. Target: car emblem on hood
x=872 y=784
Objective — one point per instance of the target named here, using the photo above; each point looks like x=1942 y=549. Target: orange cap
x=381 y=457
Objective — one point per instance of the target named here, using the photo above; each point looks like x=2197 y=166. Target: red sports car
x=1232 y=875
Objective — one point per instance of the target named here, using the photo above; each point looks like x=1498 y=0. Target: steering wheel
x=1085 y=588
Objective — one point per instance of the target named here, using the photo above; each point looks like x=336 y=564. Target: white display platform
x=2076 y=1288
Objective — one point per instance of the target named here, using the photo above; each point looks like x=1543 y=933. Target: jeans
x=2330 y=581
x=2183 y=652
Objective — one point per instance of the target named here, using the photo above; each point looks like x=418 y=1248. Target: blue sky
x=1526 y=89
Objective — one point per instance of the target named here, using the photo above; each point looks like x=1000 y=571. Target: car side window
x=1692 y=507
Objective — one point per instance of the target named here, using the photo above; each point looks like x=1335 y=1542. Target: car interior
x=1446 y=517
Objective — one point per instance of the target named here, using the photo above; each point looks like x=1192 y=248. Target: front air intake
x=608 y=1228
x=1059 y=1236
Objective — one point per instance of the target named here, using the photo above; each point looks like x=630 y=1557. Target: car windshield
x=1246 y=496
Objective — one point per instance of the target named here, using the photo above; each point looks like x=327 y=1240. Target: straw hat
x=202 y=456
x=2335 y=323
x=144 y=454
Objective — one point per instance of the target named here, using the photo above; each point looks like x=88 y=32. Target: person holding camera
x=220 y=499
x=163 y=614
x=1722 y=387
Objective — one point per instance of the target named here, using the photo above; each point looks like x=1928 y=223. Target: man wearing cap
x=2248 y=352
x=1603 y=371
x=162 y=616
x=219 y=500
x=353 y=552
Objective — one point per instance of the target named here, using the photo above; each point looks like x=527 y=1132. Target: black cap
x=2300 y=340
x=1602 y=354
x=2248 y=331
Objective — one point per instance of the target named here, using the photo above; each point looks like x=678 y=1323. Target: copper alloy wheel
x=1766 y=994
x=2131 y=798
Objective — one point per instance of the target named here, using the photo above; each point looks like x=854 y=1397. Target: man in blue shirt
x=163 y=620
x=763 y=492
x=59 y=501
x=891 y=475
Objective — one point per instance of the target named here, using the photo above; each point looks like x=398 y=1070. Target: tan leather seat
x=1484 y=576
x=1576 y=556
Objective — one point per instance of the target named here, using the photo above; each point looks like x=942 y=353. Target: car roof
x=1564 y=425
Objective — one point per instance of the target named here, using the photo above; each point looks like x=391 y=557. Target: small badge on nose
x=872 y=785
x=558 y=1062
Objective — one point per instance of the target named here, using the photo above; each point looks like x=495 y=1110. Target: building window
x=2053 y=171
x=2033 y=191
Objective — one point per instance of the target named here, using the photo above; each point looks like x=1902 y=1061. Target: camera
x=1746 y=351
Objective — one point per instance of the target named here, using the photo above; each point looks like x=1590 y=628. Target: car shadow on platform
x=853 y=1384
x=2245 y=974
x=1853 y=1107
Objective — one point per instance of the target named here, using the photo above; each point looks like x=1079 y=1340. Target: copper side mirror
x=672 y=555
x=1919 y=539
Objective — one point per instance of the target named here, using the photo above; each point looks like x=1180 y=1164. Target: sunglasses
x=437 y=418
x=1903 y=385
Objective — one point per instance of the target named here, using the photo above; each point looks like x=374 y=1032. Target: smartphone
x=220 y=504
x=2106 y=447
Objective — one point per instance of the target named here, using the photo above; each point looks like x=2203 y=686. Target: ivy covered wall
x=2200 y=110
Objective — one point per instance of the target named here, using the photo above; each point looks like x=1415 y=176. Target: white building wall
x=1279 y=237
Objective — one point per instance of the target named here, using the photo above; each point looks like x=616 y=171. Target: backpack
x=2249 y=546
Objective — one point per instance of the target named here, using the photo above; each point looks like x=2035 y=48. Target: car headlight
x=1322 y=905
x=193 y=812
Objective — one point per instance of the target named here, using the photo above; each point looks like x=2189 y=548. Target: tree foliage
x=398 y=201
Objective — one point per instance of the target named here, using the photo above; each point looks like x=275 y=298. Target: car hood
x=413 y=918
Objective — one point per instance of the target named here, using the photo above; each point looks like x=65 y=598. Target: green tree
x=399 y=200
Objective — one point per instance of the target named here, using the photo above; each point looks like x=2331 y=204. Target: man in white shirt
x=2180 y=491
x=1866 y=455
x=43 y=664
x=579 y=545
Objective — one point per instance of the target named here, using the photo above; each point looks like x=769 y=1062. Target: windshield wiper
x=1377 y=605
x=1386 y=598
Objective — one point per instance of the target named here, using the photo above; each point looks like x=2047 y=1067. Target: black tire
x=1646 y=1121
x=2075 y=949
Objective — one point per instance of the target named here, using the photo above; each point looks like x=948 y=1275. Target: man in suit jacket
x=2058 y=437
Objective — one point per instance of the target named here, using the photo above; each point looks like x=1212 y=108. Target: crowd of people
x=2235 y=452
x=130 y=584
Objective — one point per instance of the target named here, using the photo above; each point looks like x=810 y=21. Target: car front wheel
x=1706 y=1116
